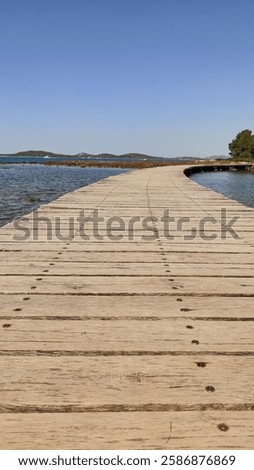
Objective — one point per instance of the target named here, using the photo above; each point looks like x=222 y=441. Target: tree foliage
x=242 y=147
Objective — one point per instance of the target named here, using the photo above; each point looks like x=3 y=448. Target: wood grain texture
x=126 y=381
x=134 y=430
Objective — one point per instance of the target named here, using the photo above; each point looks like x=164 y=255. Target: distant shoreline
x=130 y=155
x=141 y=164
x=45 y=154
x=136 y=164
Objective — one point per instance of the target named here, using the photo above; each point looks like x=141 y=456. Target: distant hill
x=43 y=153
x=135 y=156
x=34 y=153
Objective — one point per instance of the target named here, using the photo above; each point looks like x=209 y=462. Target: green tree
x=242 y=147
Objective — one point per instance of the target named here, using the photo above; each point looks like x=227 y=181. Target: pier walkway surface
x=132 y=343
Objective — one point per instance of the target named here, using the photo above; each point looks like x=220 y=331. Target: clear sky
x=162 y=77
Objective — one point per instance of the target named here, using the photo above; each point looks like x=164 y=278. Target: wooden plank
x=127 y=257
x=139 y=307
x=127 y=285
x=134 y=430
x=127 y=336
x=99 y=381
x=122 y=268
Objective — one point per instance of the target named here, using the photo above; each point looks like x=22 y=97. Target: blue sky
x=163 y=77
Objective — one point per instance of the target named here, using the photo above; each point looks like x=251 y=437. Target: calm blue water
x=238 y=185
x=104 y=158
x=23 y=188
x=21 y=160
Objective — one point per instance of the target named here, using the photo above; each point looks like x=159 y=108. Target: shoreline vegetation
x=114 y=164
x=135 y=164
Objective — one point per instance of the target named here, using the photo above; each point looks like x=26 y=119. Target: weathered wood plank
x=96 y=382
x=127 y=257
x=117 y=306
x=122 y=268
x=128 y=336
x=126 y=285
x=134 y=430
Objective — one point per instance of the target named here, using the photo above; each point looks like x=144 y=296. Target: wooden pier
x=140 y=342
